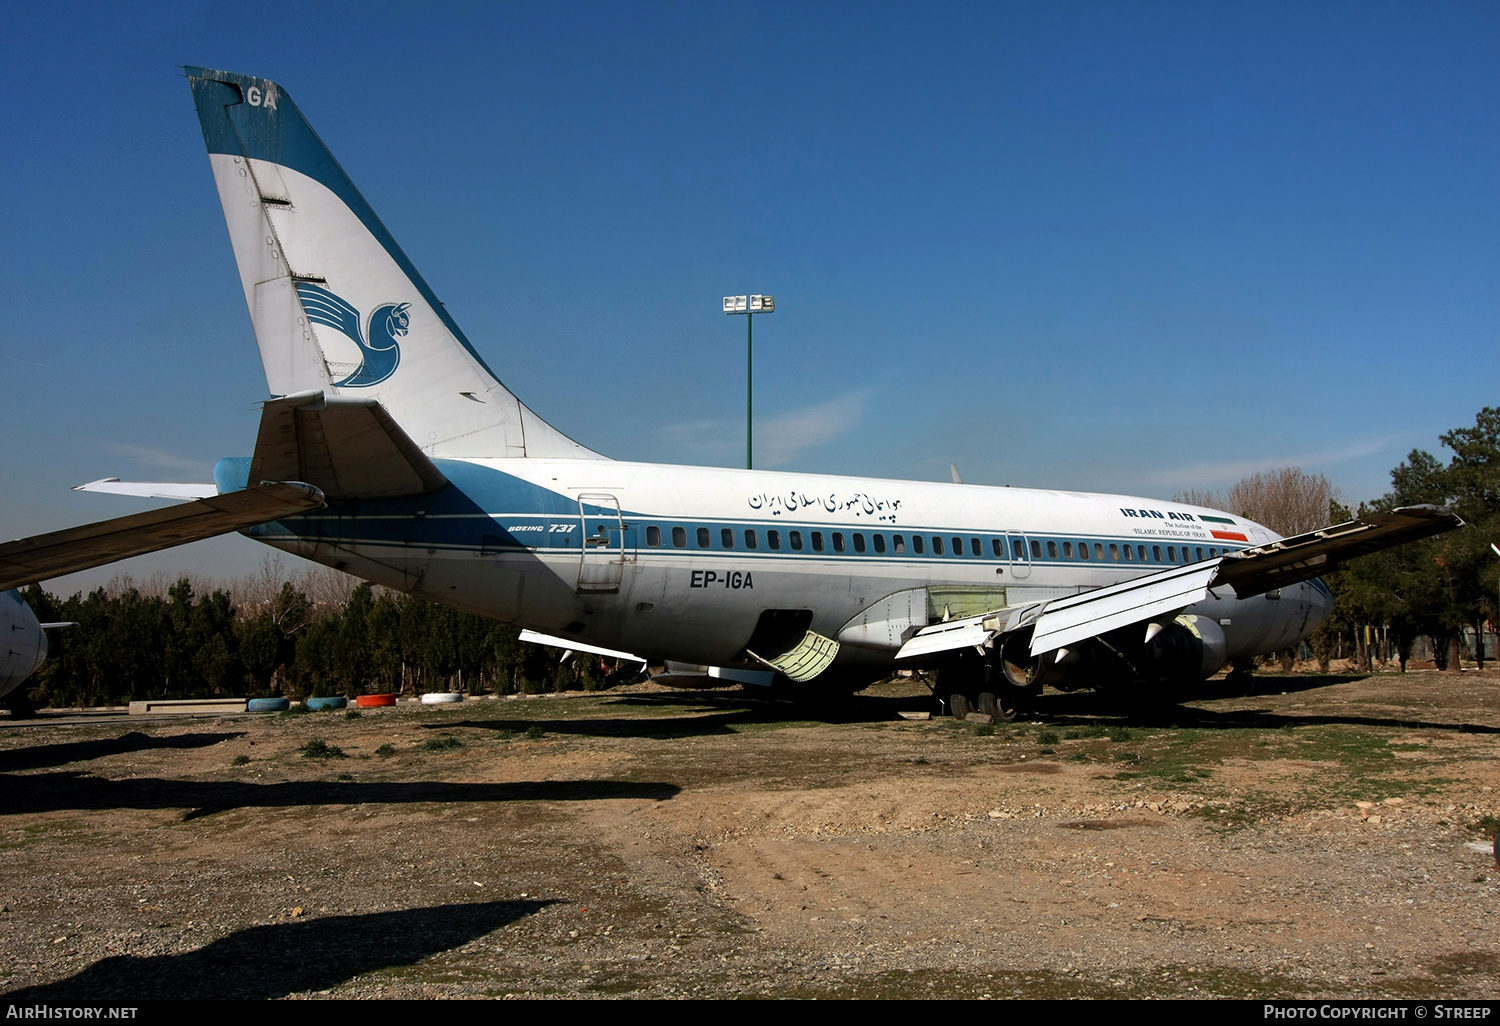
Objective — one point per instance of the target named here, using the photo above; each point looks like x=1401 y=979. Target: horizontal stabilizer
x=347 y=448
x=29 y=560
x=1305 y=556
x=552 y=641
x=149 y=489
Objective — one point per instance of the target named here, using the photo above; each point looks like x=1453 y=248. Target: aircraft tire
x=958 y=703
x=1013 y=701
x=988 y=705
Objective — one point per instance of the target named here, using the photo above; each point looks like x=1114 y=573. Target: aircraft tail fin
x=336 y=305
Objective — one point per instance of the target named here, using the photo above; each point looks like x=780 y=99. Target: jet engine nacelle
x=23 y=643
x=1158 y=656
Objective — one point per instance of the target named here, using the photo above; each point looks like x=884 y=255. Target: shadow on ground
x=1080 y=708
x=37 y=756
x=50 y=792
x=701 y=714
x=285 y=958
x=685 y=714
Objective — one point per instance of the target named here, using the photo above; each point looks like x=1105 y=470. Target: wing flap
x=1305 y=556
x=967 y=631
x=149 y=489
x=1068 y=620
x=551 y=641
x=44 y=556
x=348 y=448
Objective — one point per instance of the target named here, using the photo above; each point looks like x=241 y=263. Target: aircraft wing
x=1305 y=556
x=29 y=560
x=348 y=448
x=1065 y=621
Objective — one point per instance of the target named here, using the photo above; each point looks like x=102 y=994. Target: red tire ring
x=374 y=701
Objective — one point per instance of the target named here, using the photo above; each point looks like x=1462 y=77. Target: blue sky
x=1114 y=246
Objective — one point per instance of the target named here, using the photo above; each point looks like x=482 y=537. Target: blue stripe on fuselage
x=483 y=509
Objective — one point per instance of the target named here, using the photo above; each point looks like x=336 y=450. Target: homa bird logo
x=377 y=343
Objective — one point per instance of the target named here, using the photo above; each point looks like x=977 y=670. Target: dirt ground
x=1316 y=837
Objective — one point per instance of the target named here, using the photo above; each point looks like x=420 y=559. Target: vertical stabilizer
x=336 y=306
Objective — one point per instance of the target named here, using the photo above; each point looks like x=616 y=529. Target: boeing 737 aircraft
x=389 y=449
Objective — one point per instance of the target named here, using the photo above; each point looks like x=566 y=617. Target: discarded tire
x=374 y=701
x=268 y=705
x=442 y=698
x=336 y=702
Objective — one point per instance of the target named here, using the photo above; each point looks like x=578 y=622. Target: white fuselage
x=678 y=563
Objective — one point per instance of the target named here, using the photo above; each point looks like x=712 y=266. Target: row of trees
x=131 y=643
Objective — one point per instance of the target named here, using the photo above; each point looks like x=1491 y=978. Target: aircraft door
x=1020 y=556
x=606 y=547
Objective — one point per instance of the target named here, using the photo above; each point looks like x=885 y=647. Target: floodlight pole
x=749 y=306
x=749 y=387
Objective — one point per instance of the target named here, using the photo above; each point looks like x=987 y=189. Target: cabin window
x=917 y=543
x=1114 y=553
x=958 y=546
x=653 y=536
x=773 y=539
x=1156 y=553
x=1017 y=549
x=1200 y=553
x=1212 y=553
x=976 y=546
x=838 y=541
x=898 y=544
x=859 y=543
x=1129 y=554
x=997 y=547
x=1083 y=550
x=879 y=540
x=679 y=537
x=1140 y=552
x=703 y=538
x=796 y=539
x=1067 y=550
x=817 y=540
x=937 y=545
x=1171 y=553
x=751 y=541
x=1052 y=550
x=1036 y=550
x=726 y=538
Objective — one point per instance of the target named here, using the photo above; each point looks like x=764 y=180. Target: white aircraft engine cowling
x=23 y=643
x=1215 y=646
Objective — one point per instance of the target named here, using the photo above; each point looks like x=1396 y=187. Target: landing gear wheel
x=988 y=706
x=1013 y=701
x=959 y=704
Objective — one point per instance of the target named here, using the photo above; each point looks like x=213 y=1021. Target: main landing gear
x=969 y=684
